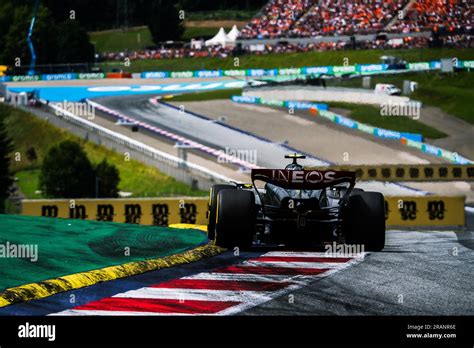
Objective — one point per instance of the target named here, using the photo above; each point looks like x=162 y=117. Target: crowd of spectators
x=168 y=53
x=309 y=18
x=436 y=15
x=287 y=47
x=407 y=42
x=457 y=41
x=276 y=19
x=331 y=17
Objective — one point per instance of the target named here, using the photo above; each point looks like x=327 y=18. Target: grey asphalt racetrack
x=324 y=143
x=418 y=273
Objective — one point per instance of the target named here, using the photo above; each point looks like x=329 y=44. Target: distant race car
x=296 y=207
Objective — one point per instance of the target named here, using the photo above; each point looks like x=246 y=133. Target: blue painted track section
x=77 y=93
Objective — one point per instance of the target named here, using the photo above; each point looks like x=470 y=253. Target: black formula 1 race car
x=296 y=207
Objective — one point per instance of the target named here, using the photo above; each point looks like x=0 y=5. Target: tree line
x=60 y=34
x=66 y=172
x=55 y=41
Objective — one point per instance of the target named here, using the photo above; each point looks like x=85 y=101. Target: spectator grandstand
x=288 y=47
x=310 y=18
x=436 y=15
x=276 y=19
x=306 y=25
x=346 y=17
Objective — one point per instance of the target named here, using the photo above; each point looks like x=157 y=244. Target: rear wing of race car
x=303 y=179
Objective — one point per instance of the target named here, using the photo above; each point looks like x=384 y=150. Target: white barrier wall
x=320 y=94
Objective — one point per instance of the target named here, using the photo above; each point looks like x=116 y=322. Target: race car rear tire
x=214 y=191
x=365 y=220
x=235 y=218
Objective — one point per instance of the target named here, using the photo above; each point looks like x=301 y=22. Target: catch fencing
x=192 y=174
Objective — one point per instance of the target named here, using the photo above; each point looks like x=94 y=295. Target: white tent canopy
x=221 y=39
x=233 y=33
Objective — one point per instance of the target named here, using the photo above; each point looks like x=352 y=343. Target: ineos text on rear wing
x=303 y=179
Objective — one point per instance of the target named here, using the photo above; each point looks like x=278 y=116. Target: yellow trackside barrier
x=400 y=211
x=431 y=211
x=3 y=68
x=407 y=172
x=152 y=211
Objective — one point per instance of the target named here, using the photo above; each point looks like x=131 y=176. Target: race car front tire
x=235 y=218
x=214 y=191
x=365 y=220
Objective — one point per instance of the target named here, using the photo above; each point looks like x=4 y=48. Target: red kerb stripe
x=301 y=259
x=221 y=285
x=270 y=270
x=157 y=305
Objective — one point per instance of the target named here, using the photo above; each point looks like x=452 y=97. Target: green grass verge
x=138 y=38
x=285 y=60
x=198 y=32
x=28 y=180
x=221 y=15
x=71 y=246
x=120 y=40
x=27 y=131
x=453 y=93
x=203 y=96
x=371 y=115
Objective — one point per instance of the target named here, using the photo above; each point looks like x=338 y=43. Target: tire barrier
x=156 y=211
x=408 y=172
x=429 y=211
x=425 y=211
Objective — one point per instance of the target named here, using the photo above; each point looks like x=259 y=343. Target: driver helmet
x=294 y=166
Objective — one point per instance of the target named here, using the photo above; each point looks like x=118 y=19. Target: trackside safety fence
x=184 y=171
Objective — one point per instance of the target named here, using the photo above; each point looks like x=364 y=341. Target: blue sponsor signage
x=345 y=121
x=155 y=74
x=59 y=77
x=208 y=73
x=245 y=99
x=317 y=70
x=305 y=106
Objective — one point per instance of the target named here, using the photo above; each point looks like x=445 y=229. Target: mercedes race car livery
x=296 y=206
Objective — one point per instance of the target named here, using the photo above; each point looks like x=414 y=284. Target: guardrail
x=175 y=137
x=358 y=69
x=174 y=166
